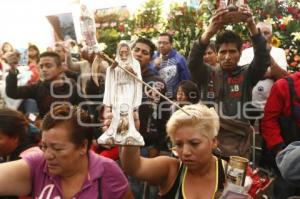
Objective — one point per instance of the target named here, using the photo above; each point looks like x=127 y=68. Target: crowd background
x=173 y=37
x=149 y=21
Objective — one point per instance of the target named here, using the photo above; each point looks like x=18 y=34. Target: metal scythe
x=107 y=58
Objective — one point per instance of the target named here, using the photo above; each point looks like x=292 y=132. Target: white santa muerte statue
x=123 y=95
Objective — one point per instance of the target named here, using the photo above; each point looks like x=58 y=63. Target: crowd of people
x=60 y=101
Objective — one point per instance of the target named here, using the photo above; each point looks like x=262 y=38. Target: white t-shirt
x=261 y=91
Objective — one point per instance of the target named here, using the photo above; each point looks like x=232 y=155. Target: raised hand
x=129 y=68
x=105 y=57
x=12 y=59
x=247 y=13
x=216 y=23
x=248 y=19
x=157 y=62
x=107 y=116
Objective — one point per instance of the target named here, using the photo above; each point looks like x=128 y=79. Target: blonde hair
x=202 y=118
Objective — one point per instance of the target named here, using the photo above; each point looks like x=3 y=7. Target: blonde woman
x=197 y=173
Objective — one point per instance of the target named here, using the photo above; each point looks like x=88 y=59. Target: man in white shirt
x=262 y=89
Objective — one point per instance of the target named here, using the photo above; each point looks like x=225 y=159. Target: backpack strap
x=289 y=124
x=292 y=93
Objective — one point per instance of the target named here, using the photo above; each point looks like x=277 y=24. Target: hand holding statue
x=107 y=117
x=122 y=97
x=130 y=69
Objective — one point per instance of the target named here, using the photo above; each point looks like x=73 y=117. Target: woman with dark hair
x=5 y=48
x=14 y=135
x=66 y=168
x=16 y=138
x=187 y=91
x=210 y=55
x=33 y=54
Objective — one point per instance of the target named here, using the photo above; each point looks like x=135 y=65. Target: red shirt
x=35 y=73
x=278 y=104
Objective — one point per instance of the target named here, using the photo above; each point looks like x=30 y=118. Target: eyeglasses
x=163 y=43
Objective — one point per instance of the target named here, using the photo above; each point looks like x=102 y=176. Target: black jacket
x=152 y=118
x=230 y=90
x=43 y=92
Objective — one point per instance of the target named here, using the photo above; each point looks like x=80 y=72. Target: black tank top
x=177 y=186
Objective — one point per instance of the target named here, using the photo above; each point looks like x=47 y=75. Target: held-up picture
x=63 y=26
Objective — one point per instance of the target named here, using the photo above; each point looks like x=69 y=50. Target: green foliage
x=285 y=19
x=111 y=37
x=113 y=26
x=293 y=26
x=186 y=24
x=183 y=23
x=148 y=18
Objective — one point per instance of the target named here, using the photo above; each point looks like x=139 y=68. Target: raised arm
x=250 y=23
x=261 y=60
x=12 y=89
x=156 y=171
x=15 y=178
x=74 y=66
x=19 y=92
x=198 y=69
x=216 y=23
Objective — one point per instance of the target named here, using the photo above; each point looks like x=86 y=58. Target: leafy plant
x=183 y=22
x=148 y=19
x=187 y=23
x=110 y=37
